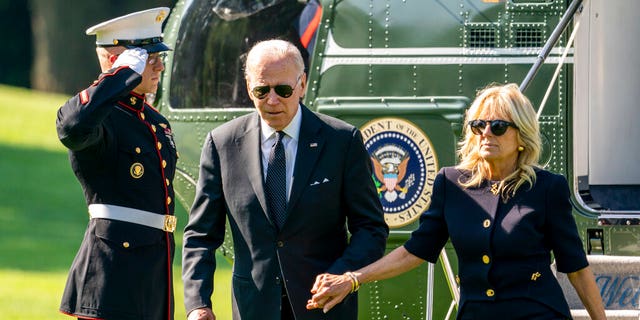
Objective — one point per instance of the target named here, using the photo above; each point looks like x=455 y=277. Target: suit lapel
x=249 y=146
x=310 y=145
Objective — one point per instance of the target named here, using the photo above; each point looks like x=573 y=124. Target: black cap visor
x=152 y=48
x=150 y=44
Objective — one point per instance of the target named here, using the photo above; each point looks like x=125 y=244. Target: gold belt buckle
x=170 y=223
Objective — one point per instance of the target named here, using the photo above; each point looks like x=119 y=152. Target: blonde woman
x=504 y=216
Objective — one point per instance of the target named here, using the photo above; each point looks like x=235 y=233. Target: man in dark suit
x=292 y=183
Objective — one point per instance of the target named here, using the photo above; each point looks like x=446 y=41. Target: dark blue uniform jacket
x=504 y=249
x=123 y=153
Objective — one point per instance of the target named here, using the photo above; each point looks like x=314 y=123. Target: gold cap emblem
x=160 y=16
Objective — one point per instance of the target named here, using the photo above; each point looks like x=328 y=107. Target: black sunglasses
x=498 y=127
x=283 y=90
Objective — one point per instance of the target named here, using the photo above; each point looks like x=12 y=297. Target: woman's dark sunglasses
x=283 y=90
x=498 y=127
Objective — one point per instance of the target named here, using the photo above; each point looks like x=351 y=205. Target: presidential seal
x=405 y=168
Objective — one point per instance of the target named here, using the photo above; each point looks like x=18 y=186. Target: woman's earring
x=520 y=148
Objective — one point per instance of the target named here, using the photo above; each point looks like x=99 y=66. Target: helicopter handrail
x=544 y=53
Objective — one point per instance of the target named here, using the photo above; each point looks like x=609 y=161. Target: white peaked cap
x=139 y=29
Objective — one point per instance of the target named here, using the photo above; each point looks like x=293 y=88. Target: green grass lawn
x=43 y=214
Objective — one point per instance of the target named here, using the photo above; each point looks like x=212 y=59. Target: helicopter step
x=618 y=278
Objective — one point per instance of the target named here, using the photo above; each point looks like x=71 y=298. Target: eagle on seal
x=390 y=167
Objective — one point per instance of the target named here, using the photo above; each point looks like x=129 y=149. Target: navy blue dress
x=503 y=249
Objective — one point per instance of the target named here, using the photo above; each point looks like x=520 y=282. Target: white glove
x=135 y=59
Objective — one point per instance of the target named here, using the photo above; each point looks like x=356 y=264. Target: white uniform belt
x=108 y=211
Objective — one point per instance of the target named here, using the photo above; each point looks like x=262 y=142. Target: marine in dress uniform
x=123 y=154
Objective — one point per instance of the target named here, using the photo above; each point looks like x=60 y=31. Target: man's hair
x=274 y=48
x=103 y=56
x=507 y=103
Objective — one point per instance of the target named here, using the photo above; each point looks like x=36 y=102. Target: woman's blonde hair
x=507 y=103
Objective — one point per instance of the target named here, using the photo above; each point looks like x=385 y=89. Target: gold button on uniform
x=486 y=259
x=164 y=164
x=153 y=127
x=486 y=223
x=138 y=150
x=166 y=181
x=159 y=145
x=168 y=200
x=142 y=116
x=490 y=293
x=125 y=244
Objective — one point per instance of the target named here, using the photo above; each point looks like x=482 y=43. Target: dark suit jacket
x=332 y=193
x=503 y=249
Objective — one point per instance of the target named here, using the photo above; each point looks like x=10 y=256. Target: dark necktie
x=276 y=185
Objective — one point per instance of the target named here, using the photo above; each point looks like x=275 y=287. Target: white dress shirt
x=290 y=140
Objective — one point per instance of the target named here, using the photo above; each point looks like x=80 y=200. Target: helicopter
x=404 y=72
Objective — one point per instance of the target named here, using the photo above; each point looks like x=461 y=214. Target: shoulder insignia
x=84 y=96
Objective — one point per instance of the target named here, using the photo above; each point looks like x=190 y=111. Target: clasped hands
x=331 y=289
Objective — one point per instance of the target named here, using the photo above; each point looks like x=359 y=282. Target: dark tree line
x=45 y=43
x=16 y=53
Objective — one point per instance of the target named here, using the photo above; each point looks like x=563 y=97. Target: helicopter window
x=208 y=60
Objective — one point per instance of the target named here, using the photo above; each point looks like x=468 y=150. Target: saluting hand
x=135 y=58
x=328 y=291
